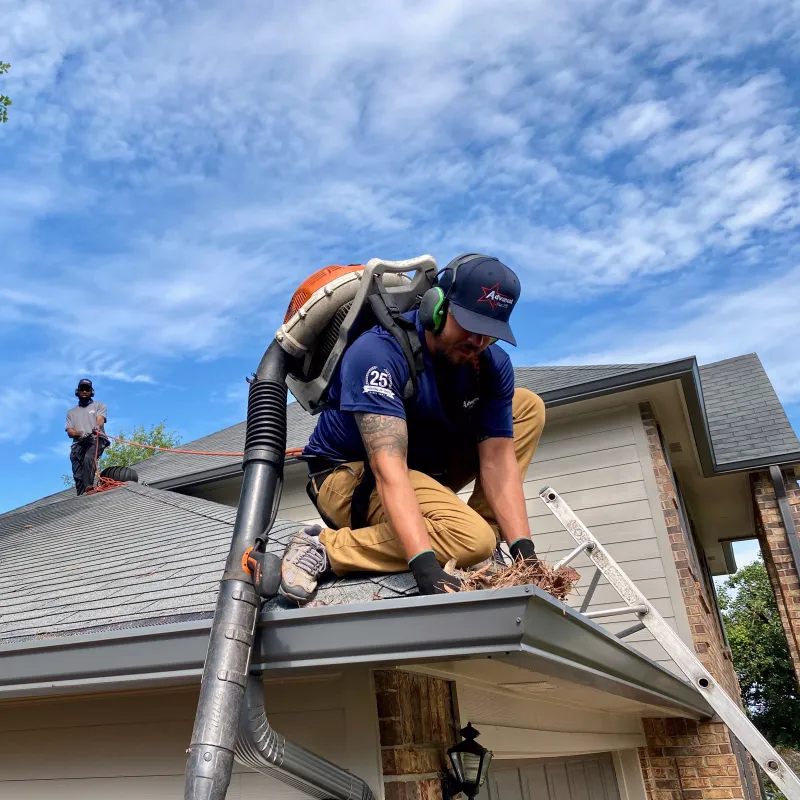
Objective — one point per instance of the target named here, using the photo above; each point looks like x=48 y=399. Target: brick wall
x=703 y=621
x=417 y=725
x=685 y=759
x=688 y=760
x=774 y=542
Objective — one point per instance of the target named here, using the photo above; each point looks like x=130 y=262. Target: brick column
x=688 y=760
x=417 y=725
x=774 y=542
x=685 y=759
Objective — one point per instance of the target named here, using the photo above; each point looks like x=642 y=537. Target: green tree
x=761 y=655
x=119 y=454
x=5 y=100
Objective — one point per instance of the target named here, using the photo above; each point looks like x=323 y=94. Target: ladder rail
x=728 y=710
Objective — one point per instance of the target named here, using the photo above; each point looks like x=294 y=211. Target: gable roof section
x=745 y=417
x=734 y=409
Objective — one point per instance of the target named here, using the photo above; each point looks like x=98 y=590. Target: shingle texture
x=745 y=417
x=129 y=557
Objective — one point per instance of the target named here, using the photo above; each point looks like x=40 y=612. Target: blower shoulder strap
x=404 y=332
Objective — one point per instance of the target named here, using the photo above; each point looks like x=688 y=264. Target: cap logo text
x=494 y=297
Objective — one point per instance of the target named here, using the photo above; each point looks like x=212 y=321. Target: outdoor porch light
x=469 y=765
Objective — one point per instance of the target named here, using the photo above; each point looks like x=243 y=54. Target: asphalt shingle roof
x=745 y=416
x=129 y=557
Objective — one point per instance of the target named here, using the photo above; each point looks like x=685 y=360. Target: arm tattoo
x=382 y=433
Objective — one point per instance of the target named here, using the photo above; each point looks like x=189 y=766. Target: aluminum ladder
x=729 y=712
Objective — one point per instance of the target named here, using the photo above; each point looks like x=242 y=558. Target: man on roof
x=86 y=427
x=386 y=471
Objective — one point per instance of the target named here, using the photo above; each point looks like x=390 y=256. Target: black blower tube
x=210 y=761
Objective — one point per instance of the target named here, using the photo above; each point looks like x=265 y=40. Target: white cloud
x=630 y=125
x=28 y=458
x=714 y=326
x=213 y=155
x=23 y=411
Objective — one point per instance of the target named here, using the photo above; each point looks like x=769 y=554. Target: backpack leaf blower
x=326 y=313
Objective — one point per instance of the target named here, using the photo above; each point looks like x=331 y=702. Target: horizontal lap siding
x=593 y=461
x=132 y=747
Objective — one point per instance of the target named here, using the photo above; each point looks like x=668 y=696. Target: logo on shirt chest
x=378 y=381
x=470 y=404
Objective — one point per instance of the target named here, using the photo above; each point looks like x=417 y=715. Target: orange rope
x=107 y=483
x=292 y=451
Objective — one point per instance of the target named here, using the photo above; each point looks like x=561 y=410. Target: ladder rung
x=574 y=554
x=639 y=626
x=613 y=612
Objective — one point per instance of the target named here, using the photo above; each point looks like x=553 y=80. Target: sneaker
x=303 y=562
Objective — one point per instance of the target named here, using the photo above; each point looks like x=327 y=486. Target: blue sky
x=170 y=172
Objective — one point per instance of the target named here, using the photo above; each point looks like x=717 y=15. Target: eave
x=521 y=625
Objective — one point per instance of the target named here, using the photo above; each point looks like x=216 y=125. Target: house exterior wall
x=774 y=542
x=132 y=746
x=684 y=759
x=601 y=464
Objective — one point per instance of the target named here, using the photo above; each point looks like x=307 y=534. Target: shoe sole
x=294 y=598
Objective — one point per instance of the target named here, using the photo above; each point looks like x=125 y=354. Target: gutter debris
x=559 y=582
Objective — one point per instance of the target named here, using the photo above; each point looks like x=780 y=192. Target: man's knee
x=527 y=405
x=476 y=544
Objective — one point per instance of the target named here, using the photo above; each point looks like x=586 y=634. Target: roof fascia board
x=611 y=384
x=196 y=479
x=548 y=637
x=684 y=370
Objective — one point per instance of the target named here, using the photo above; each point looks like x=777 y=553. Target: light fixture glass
x=470 y=762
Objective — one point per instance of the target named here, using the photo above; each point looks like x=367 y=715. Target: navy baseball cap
x=85 y=382
x=484 y=294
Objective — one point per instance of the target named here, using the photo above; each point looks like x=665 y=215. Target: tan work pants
x=467 y=532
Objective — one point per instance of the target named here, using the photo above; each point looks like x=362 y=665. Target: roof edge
x=507 y=624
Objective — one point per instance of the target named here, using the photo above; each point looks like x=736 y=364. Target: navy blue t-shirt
x=451 y=408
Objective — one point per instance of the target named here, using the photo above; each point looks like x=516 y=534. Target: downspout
x=261 y=748
x=226 y=723
x=776 y=476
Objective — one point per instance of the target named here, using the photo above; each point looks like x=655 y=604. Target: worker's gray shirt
x=84 y=418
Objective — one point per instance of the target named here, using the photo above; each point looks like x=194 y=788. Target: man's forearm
x=386 y=442
x=401 y=507
x=502 y=485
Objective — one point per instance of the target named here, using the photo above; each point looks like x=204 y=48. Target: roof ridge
x=743 y=357
x=185 y=503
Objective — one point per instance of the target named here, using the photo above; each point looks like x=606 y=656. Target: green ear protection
x=433 y=309
x=433 y=306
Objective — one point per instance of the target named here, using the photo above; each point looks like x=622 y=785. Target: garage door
x=574 y=778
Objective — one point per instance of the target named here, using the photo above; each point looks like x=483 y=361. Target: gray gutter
x=521 y=625
x=196 y=479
